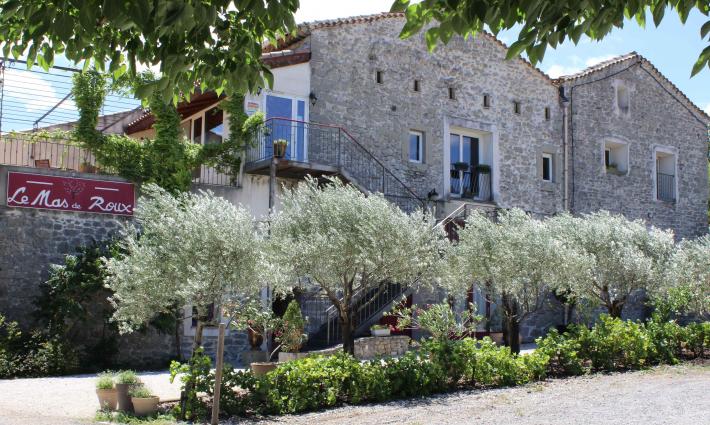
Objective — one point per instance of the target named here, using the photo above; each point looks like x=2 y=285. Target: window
x=417 y=85
x=486 y=101
x=622 y=98
x=197 y=130
x=547 y=167
x=547 y=113
x=616 y=157
x=516 y=107
x=214 y=128
x=416 y=146
x=379 y=77
x=665 y=176
x=452 y=93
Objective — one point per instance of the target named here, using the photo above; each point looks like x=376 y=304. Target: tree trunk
x=511 y=334
x=513 y=326
x=178 y=324
x=348 y=336
x=615 y=309
x=196 y=343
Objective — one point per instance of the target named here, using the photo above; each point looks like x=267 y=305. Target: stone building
x=457 y=126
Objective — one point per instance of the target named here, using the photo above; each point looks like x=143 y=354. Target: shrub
x=613 y=344
x=317 y=382
x=104 y=381
x=563 y=354
x=697 y=338
x=290 y=335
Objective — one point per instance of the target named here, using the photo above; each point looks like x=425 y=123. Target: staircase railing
x=331 y=146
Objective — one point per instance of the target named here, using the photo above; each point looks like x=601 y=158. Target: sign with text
x=43 y=191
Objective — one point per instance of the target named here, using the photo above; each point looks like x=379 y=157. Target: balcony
x=303 y=148
x=471 y=182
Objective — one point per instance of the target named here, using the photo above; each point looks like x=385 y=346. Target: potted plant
x=290 y=335
x=380 y=330
x=125 y=381
x=106 y=392
x=259 y=323
x=280 y=148
x=144 y=402
x=460 y=166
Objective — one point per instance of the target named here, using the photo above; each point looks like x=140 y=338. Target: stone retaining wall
x=374 y=346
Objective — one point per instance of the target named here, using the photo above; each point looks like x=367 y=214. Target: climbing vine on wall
x=169 y=159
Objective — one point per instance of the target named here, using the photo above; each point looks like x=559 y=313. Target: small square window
x=516 y=107
x=380 y=77
x=417 y=85
x=452 y=93
x=547 y=167
x=486 y=101
x=622 y=98
x=547 y=113
x=416 y=146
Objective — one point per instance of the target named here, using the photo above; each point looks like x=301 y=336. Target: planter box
x=262 y=368
x=380 y=332
x=254 y=357
x=145 y=406
x=287 y=357
x=108 y=399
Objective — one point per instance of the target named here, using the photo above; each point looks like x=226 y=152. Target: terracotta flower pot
x=124 y=400
x=279 y=150
x=145 y=406
x=255 y=339
x=262 y=368
x=108 y=399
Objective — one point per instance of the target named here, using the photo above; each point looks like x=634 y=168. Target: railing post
x=340 y=137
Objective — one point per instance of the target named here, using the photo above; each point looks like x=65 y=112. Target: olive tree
x=348 y=242
x=687 y=278
x=189 y=249
x=519 y=259
x=542 y=22
x=627 y=256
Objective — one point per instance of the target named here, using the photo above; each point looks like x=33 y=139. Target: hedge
x=319 y=382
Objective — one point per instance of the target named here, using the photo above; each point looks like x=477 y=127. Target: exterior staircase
x=326 y=150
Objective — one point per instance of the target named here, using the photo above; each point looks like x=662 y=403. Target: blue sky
x=672 y=47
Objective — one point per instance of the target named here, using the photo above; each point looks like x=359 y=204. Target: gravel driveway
x=663 y=395
x=66 y=399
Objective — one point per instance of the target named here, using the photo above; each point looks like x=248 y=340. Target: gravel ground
x=663 y=395
x=64 y=400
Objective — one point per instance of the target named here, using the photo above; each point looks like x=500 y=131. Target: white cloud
x=594 y=60
x=707 y=108
x=36 y=93
x=557 y=70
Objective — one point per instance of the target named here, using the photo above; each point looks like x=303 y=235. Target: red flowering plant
x=290 y=333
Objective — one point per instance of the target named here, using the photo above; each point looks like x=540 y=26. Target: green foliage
x=194 y=379
x=290 y=333
x=614 y=344
x=140 y=391
x=439 y=320
x=542 y=23
x=167 y=160
x=316 y=382
x=128 y=377
x=217 y=43
x=104 y=381
x=33 y=354
x=226 y=157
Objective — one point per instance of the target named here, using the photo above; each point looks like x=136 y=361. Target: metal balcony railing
x=474 y=184
x=332 y=147
x=665 y=187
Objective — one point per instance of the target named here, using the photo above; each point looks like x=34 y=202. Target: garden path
x=65 y=399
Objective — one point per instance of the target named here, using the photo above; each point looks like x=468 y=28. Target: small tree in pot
x=290 y=334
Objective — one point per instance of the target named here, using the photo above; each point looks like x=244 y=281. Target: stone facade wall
x=343 y=65
x=655 y=118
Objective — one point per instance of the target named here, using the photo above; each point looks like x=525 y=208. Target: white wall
x=290 y=81
x=253 y=193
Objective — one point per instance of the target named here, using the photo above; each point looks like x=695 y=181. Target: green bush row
x=319 y=382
